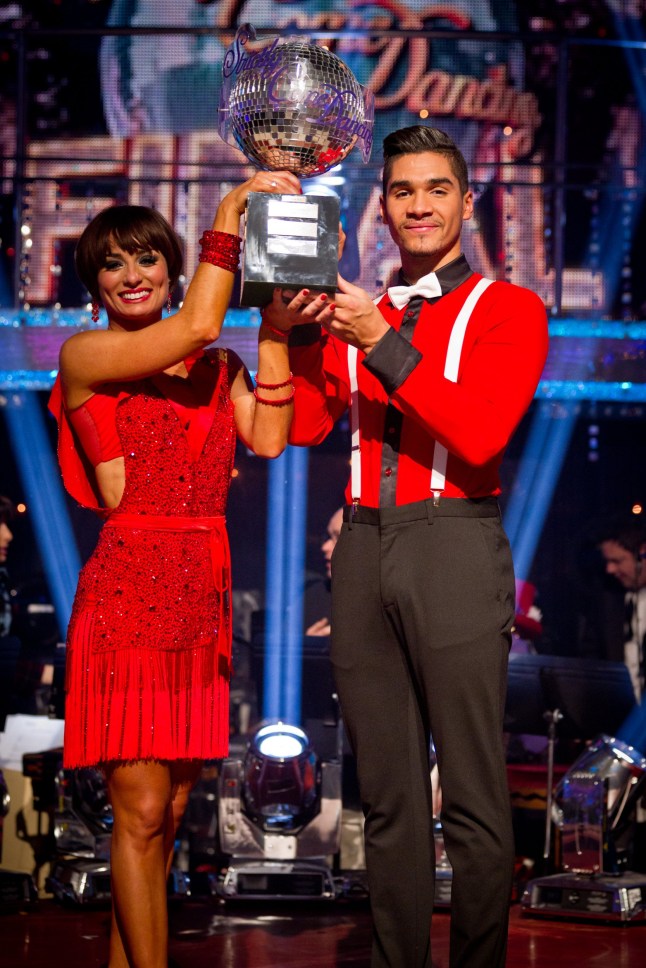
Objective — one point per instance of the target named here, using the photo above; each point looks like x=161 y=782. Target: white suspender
x=451 y=369
x=355 y=458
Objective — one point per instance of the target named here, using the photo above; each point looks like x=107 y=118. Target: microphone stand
x=552 y=717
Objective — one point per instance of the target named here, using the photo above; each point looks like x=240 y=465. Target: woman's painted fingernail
x=332 y=306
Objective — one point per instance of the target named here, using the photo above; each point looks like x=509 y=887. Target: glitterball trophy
x=292 y=107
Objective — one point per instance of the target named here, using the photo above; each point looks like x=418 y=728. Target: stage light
x=614 y=772
x=280 y=741
x=594 y=809
x=287 y=504
x=279 y=818
x=537 y=476
x=281 y=778
x=41 y=480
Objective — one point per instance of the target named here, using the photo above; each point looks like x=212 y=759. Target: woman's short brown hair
x=133 y=228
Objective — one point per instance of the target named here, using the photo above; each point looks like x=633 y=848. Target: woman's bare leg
x=165 y=789
x=140 y=794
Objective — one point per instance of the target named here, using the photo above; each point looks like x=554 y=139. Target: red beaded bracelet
x=283 y=333
x=220 y=249
x=274 y=386
x=275 y=403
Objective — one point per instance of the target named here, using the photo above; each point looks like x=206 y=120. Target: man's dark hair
x=134 y=228
x=420 y=138
x=628 y=530
x=7 y=510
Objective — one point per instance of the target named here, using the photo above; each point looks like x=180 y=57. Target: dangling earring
x=95 y=312
x=169 y=304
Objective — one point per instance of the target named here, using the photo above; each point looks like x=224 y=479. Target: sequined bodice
x=161 y=475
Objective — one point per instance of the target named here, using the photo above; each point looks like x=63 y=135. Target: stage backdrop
x=543 y=102
x=105 y=102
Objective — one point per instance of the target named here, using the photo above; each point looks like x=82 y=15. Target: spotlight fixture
x=279 y=816
x=594 y=810
x=280 y=770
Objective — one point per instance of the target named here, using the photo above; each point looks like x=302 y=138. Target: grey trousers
x=422 y=608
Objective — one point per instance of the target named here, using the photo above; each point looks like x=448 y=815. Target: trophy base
x=291 y=241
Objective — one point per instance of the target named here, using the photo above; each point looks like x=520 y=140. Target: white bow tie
x=428 y=287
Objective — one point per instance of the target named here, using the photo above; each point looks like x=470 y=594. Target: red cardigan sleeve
x=322 y=390
x=475 y=417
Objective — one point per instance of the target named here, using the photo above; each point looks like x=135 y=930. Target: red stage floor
x=210 y=935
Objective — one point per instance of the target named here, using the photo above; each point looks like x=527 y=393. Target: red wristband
x=220 y=249
x=274 y=386
x=283 y=333
x=275 y=403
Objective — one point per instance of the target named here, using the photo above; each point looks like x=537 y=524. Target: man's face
x=623 y=565
x=424 y=210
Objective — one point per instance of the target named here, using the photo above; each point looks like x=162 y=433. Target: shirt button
x=391 y=430
x=388 y=471
x=410 y=313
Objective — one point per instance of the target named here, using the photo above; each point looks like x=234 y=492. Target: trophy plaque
x=291 y=107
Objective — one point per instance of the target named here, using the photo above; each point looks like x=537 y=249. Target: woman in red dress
x=147 y=428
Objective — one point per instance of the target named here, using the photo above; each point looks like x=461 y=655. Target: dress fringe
x=134 y=704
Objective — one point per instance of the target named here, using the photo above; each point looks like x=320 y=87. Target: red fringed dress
x=149 y=641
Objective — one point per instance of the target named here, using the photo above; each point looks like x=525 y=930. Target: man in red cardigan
x=437 y=373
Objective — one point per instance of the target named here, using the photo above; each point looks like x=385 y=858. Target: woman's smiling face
x=133 y=286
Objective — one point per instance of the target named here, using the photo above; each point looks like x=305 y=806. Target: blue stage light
x=274 y=584
x=633 y=729
x=538 y=475
x=298 y=460
x=287 y=508
x=42 y=482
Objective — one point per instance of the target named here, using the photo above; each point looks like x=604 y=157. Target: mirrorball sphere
x=301 y=113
